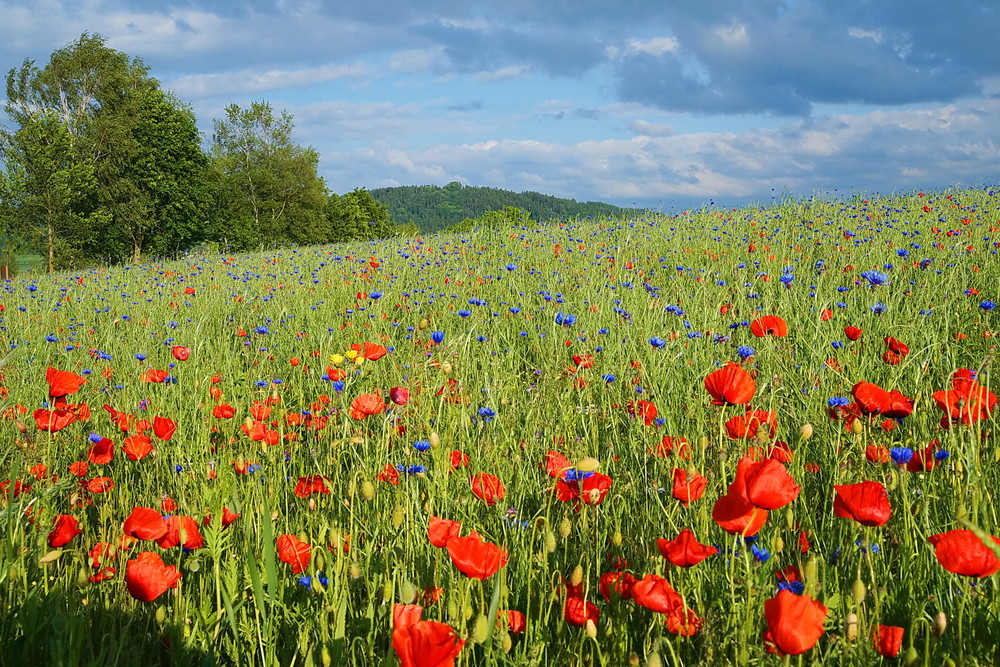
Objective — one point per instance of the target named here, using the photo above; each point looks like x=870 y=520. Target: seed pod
x=851 y=627
x=940 y=623
x=616 y=538
x=654 y=660
x=398 y=515
x=481 y=629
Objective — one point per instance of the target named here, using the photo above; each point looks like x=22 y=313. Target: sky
x=661 y=104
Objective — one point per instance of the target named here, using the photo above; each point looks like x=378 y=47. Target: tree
x=358 y=216
x=267 y=188
x=113 y=161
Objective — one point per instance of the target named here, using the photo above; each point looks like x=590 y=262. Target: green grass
x=238 y=603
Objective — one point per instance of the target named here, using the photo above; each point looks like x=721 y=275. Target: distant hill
x=433 y=208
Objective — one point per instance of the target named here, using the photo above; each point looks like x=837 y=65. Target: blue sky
x=637 y=102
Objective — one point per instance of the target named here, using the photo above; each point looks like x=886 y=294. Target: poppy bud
x=446 y=368
x=911 y=657
x=616 y=538
x=806 y=431
x=408 y=593
x=591 y=628
x=398 y=516
x=325 y=658
x=858 y=591
x=423 y=324
x=633 y=660
x=480 y=630
x=588 y=464
x=355 y=571
x=467 y=611
x=811 y=572
x=434 y=439
x=779 y=545
x=940 y=623
x=577 y=577
x=851 y=627
x=565 y=527
x=550 y=541
x=387 y=591
x=367 y=490
x=506 y=643
x=857 y=427
x=654 y=660
x=161 y=615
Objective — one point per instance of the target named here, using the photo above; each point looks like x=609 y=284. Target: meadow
x=752 y=436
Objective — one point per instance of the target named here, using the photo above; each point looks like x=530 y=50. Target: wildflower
x=962 y=552
x=794 y=622
x=474 y=558
x=420 y=643
x=769 y=325
x=147 y=577
x=487 y=488
x=294 y=551
x=730 y=385
x=866 y=502
x=65 y=529
x=685 y=550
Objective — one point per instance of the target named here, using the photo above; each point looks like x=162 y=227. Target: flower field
x=721 y=437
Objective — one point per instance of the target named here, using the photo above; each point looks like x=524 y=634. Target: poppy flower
x=487 y=487
x=66 y=528
x=616 y=585
x=655 y=593
x=260 y=411
x=734 y=512
x=556 y=464
x=100 y=485
x=145 y=523
x=517 y=622
x=670 y=444
x=53 y=421
x=224 y=411
x=684 y=622
x=866 y=502
x=730 y=385
x=365 y=405
x=311 y=484
x=746 y=426
x=474 y=558
x=180 y=352
x=685 y=550
x=63 y=383
x=420 y=643
x=147 y=577
x=390 y=474
x=440 y=531
x=137 y=447
x=458 y=459
x=644 y=409
x=181 y=531
x=294 y=551
x=373 y=351
x=154 y=376
x=164 y=428
x=961 y=552
x=889 y=640
x=687 y=486
x=967 y=402
x=591 y=490
x=228 y=517
x=852 y=333
x=102 y=450
x=769 y=325
x=769 y=486
x=399 y=395
x=794 y=622
x=577 y=611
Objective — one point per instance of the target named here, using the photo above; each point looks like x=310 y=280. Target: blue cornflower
x=875 y=278
x=837 y=344
x=95 y=437
x=797 y=587
x=745 y=352
x=656 y=341
x=901 y=455
x=878 y=308
x=422 y=445
x=437 y=337
x=511 y=267
x=565 y=319
x=786 y=279
x=261 y=330
x=608 y=377
x=464 y=313
x=837 y=401
x=987 y=305
x=338 y=386
x=487 y=414
x=574 y=475
x=942 y=454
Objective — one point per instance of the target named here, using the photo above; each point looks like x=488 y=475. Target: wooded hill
x=432 y=208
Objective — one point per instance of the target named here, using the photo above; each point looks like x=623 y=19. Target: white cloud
x=656 y=46
x=253 y=81
x=648 y=129
x=507 y=73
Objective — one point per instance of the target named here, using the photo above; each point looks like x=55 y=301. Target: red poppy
x=100 y=485
x=137 y=447
x=730 y=385
x=63 y=383
x=517 y=622
x=420 y=643
x=616 y=585
x=556 y=464
x=688 y=486
x=223 y=411
x=826 y=315
x=655 y=593
x=684 y=622
x=591 y=490
x=294 y=551
x=66 y=528
x=474 y=558
x=458 y=459
x=794 y=622
x=164 y=428
x=578 y=611
x=145 y=523
x=373 y=351
x=180 y=352
x=147 y=577
x=101 y=452
x=154 y=376
x=745 y=426
x=734 y=512
x=961 y=551
x=311 y=484
x=181 y=531
x=866 y=502
x=487 y=488
x=769 y=486
x=53 y=421
x=966 y=402
x=852 y=333
x=685 y=550
x=670 y=444
x=889 y=640
x=365 y=405
x=399 y=395
x=79 y=468
x=643 y=409
x=440 y=531
x=260 y=411
x=924 y=460
x=769 y=325
x=390 y=474
x=228 y=517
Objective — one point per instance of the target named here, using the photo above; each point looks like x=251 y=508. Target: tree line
x=101 y=165
x=433 y=208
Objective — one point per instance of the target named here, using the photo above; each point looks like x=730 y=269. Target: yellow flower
x=350 y=354
x=336 y=359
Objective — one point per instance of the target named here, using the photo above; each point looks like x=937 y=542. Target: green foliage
x=266 y=187
x=357 y=216
x=511 y=215
x=433 y=208
x=102 y=166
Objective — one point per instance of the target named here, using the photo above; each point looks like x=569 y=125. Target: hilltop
x=432 y=207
